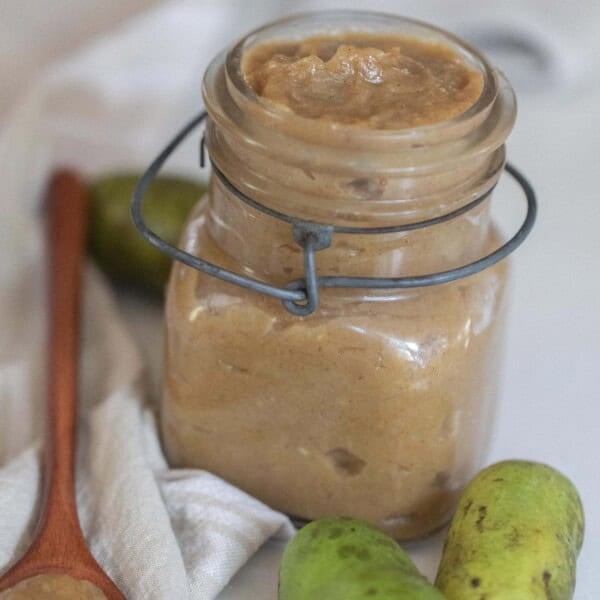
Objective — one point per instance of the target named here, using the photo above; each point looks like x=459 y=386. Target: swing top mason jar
x=379 y=404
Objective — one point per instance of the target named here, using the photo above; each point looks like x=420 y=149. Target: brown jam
x=53 y=587
x=366 y=80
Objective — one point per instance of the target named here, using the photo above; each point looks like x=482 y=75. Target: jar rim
x=259 y=149
x=320 y=20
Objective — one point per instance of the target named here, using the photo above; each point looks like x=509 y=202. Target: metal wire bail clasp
x=301 y=296
x=311 y=237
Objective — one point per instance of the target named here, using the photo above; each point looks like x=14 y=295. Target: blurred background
x=536 y=41
x=550 y=50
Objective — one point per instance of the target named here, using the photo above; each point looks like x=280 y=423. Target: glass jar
x=379 y=404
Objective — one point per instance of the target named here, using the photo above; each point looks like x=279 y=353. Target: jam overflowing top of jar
x=364 y=80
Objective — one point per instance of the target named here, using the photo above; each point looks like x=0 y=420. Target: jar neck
x=264 y=247
x=343 y=175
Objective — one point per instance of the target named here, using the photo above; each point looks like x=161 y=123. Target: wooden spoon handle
x=66 y=218
x=61 y=540
x=59 y=545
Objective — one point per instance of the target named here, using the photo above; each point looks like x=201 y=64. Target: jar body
x=378 y=405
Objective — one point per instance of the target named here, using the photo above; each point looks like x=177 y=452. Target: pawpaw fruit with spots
x=347 y=559
x=115 y=243
x=516 y=535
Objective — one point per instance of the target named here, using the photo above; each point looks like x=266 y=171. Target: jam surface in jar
x=366 y=80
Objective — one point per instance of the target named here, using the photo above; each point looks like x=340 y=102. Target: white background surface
x=551 y=401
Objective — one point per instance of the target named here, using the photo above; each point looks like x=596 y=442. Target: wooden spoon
x=59 y=548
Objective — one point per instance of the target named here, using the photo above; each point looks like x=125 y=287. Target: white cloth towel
x=160 y=533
